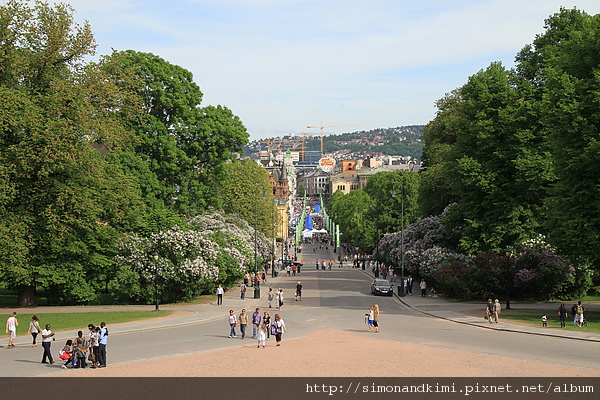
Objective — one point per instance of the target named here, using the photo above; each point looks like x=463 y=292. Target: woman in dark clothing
x=267 y=322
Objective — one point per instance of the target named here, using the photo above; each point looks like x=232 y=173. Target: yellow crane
x=321 y=127
x=289 y=144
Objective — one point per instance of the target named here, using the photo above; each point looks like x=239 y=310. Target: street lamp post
x=508 y=254
x=256 y=282
x=402 y=292
x=156 y=299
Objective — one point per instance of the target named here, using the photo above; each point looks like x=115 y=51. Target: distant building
x=344 y=182
x=316 y=182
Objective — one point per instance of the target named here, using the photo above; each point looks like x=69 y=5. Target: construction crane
x=289 y=144
x=321 y=127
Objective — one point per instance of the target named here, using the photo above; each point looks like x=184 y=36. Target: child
x=261 y=335
x=544 y=321
x=66 y=353
x=369 y=317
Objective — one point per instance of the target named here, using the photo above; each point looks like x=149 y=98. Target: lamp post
x=155 y=257
x=508 y=254
x=256 y=282
x=402 y=292
x=273 y=241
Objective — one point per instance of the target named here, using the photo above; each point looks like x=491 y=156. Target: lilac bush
x=534 y=270
x=215 y=249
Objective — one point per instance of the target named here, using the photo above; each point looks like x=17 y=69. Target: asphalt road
x=335 y=299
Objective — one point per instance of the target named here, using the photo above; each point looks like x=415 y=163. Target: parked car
x=382 y=287
x=290 y=262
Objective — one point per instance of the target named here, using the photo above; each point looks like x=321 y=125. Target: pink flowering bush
x=539 y=273
x=535 y=271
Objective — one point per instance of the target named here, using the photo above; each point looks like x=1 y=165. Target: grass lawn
x=534 y=317
x=79 y=321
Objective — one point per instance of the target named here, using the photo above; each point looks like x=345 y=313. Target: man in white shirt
x=47 y=339
x=11 y=329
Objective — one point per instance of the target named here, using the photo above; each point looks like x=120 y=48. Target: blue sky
x=281 y=65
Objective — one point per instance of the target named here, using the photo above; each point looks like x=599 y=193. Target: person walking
x=267 y=323
x=279 y=299
x=279 y=328
x=299 y=292
x=243 y=321
x=232 y=323
x=489 y=310
x=11 y=329
x=220 y=293
x=243 y=291
x=497 y=310
x=270 y=297
x=102 y=342
x=256 y=321
x=261 y=335
x=409 y=284
x=370 y=315
x=376 y=317
x=562 y=314
x=34 y=329
x=47 y=339
x=423 y=286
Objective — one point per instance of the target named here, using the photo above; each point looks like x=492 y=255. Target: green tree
x=183 y=144
x=563 y=64
x=439 y=137
x=246 y=191
x=500 y=163
x=62 y=205
x=351 y=212
x=388 y=191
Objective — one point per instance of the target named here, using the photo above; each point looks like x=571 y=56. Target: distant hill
x=399 y=141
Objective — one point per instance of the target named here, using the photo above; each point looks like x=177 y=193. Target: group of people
x=577 y=312
x=75 y=351
x=372 y=318
x=325 y=264
x=249 y=279
x=493 y=310
x=262 y=326
x=278 y=297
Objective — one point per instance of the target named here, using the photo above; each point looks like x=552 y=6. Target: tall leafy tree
x=61 y=204
x=245 y=190
x=181 y=143
x=439 y=137
x=500 y=164
x=564 y=66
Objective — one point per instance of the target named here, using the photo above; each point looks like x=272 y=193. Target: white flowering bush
x=214 y=249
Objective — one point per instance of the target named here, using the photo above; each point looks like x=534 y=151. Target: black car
x=290 y=262
x=382 y=287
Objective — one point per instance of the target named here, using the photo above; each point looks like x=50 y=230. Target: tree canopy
x=62 y=204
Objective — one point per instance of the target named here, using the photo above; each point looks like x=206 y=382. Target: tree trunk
x=26 y=296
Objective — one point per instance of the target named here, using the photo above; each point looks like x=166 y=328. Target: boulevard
x=333 y=300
